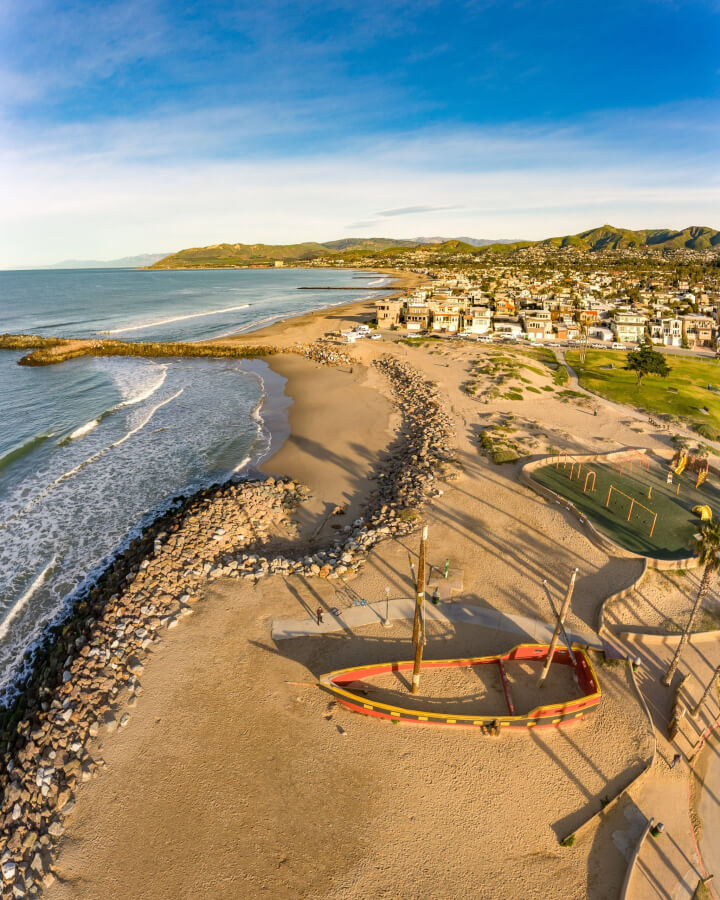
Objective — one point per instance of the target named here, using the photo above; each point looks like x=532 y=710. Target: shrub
x=485 y=438
x=499 y=457
x=560 y=375
x=707 y=430
x=409 y=515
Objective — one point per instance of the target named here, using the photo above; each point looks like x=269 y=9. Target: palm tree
x=707 y=544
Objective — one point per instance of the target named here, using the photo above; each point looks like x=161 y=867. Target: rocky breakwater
x=90 y=666
x=327 y=356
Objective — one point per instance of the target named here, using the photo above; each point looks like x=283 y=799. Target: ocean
x=91 y=449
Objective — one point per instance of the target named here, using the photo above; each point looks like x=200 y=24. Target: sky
x=144 y=126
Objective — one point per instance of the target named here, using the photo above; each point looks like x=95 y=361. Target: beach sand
x=238 y=778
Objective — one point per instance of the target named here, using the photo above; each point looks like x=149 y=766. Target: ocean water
x=92 y=448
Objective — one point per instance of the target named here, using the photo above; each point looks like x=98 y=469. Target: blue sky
x=141 y=126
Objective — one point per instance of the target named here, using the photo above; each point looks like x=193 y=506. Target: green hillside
x=606 y=237
x=222 y=255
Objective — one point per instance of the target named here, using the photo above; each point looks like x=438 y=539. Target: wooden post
x=632 y=503
x=418 y=624
x=607 y=502
x=653 y=525
x=419 y=584
x=706 y=692
x=560 y=620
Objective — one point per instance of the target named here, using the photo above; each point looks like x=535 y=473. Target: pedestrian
x=675 y=760
x=319 y=614
x=595 y=411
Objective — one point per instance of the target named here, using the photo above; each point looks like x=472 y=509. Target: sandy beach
x=237 y=777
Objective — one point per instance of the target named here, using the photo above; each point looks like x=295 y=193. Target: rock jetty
x=90 y=666
x=328 y=356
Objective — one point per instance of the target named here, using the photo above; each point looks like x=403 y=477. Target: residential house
x=417 y=316
x=477 y=320
x=505 y=325
x=388 y=312
x=538 y=324
x=666 y=330
x=628 y=328
x=697 y=330
x=446 y=317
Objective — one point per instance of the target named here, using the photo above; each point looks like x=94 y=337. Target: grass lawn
x=683 y=393
x=675 y=524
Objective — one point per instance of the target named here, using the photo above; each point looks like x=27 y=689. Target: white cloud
x=112 y=189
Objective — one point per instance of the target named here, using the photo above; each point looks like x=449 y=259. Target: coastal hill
x=606 y=237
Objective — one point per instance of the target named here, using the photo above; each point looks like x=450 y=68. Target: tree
x=707 y=544
x=647 y=361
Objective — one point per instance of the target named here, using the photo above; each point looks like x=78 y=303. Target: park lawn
x=675 y=525
x=683 y=393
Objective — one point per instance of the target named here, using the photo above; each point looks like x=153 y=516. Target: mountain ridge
x=604 y=237
x=125 y=262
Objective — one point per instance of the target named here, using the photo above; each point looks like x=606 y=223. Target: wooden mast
x=419 y=621
x=558 y=627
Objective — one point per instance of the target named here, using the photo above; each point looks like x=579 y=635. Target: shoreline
x=85 y=674
x=48 y=350
x=211 y=687
x=274 y=414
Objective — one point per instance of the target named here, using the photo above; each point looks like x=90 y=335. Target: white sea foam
x=146 y=393
x=199 y=315
x=242 y=465
x=95 y=456
x=114 y=444
x=20 y=603
x=84 y=429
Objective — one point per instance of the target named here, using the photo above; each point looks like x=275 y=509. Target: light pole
x=387 y=623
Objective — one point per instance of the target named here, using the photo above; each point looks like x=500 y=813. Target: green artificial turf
x=676 y=523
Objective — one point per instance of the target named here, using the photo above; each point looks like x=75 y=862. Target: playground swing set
x=633 y=504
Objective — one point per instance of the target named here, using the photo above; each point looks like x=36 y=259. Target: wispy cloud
x=412 y=210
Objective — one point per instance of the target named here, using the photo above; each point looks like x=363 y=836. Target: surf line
x=199 y=315
x=131 y=401
x=147 y=393
x=90 y=459
x=17 y=608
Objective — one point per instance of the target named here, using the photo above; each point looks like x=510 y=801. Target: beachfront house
x=666 y=330
x=417 y=316
x=538 y=324
x=446 y=317
x=507 y=326
x=697 y=330
x=477 y=320
x=628 y=328
x=388 y=312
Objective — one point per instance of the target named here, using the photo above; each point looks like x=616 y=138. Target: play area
x=646 y=505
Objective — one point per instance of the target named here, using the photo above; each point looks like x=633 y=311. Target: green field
x=684 y=393
x=675 y=524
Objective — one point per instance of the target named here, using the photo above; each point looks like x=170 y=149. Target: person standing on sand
x=319 y=614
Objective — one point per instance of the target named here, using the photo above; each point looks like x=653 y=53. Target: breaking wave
x=198 y=315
